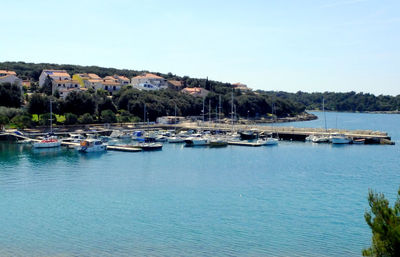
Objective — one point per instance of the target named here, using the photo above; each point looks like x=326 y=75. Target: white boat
x=268 y=141
x=47 y=142
x=91 y=145
x=175 y=140
x=339 y=139
x=74 y=138
x=320 y=139
x=197 y=140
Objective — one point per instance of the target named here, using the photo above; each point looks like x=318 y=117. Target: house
x=54 y=75
x=64 y=92
x=120 y=79
x=241 y=87
x=7 y=76
x=149 y=81
x=26 y=83
x=65 y=84
x=175 y=84
x=110 y=85
x=83 y=78
x=195 y=91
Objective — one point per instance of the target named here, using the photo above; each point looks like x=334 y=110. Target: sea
x=293 y=199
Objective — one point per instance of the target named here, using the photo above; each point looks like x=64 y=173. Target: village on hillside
x=62 y=82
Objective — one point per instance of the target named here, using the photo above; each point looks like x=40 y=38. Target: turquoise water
x=295 y=199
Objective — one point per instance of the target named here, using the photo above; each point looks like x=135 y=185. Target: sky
x=310 y=45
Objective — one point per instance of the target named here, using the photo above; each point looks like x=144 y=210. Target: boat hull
x=47 y=145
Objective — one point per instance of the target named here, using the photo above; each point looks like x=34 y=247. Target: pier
x=282 y=132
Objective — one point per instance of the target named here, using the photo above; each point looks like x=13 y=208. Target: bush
x=22 y=121
x=384 y=222
x=10 y=112
x=44 y=119
x=4 y=120
x=85 y=119
x=107 y=116
x=71 y=119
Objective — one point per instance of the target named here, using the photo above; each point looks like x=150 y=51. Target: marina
x=294 y=199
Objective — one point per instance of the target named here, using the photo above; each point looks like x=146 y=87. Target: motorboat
x=218 y=142
x=248 y=134
x=339 y=139
x=91 y=145
x=268 y=141
x=320 y=139
x=197 y=140
x=48 y=142
x=175 y=140
x=74 y=138
x=150 y=146
x=359 y=141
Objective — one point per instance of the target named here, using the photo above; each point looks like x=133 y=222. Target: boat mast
x=323 y=110
x=232 y=110
x=209 y=113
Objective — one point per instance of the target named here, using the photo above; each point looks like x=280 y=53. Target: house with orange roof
x=83 y=78
x=64 y=92
x=241 y=86
x=175 y=84
x=7 y=76
x=54 y=75
x=148 y=81
x=195 y=91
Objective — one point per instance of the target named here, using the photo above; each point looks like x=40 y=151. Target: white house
x=54 y=75
x=149 y=81
x=64 y=92
x=64 y=84
x=7 y=76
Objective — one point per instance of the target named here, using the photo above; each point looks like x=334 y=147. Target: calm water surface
x=295 y=199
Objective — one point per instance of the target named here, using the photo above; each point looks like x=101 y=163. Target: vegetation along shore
x=91 y=94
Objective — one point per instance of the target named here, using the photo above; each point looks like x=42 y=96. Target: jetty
x=282 y=132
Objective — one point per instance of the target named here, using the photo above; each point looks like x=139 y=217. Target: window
x=106 y=87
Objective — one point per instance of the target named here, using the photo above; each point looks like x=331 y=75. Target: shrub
x=85 y=119
x=107 y=116
x=71 y=118
x=22 y=121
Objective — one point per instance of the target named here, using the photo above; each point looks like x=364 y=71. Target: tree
x=47 y=87
x=85 y=119
x=79 y=103
x=44 y=119
x=10 y=95
x=384 y=222
x=107 y=116
x=3 y=121
x=22 y=121
x=70 y=119
x=38 y=104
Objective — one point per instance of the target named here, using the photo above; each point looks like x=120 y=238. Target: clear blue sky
x=315 y=45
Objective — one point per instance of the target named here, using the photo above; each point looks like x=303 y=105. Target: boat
x=150 y=146
x=91 y=145
x=161 y=138
x=248 y=135
x=218 y=142
x=74 y=138
x=197 y=140
x=340 y=139
x=320 y=139
x=359 y=141
x=49 y=141
x=268 y=141
x=175 y=140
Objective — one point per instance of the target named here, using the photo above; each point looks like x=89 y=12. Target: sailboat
x=269 y=140
x=50 y=140
x=321 y=138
